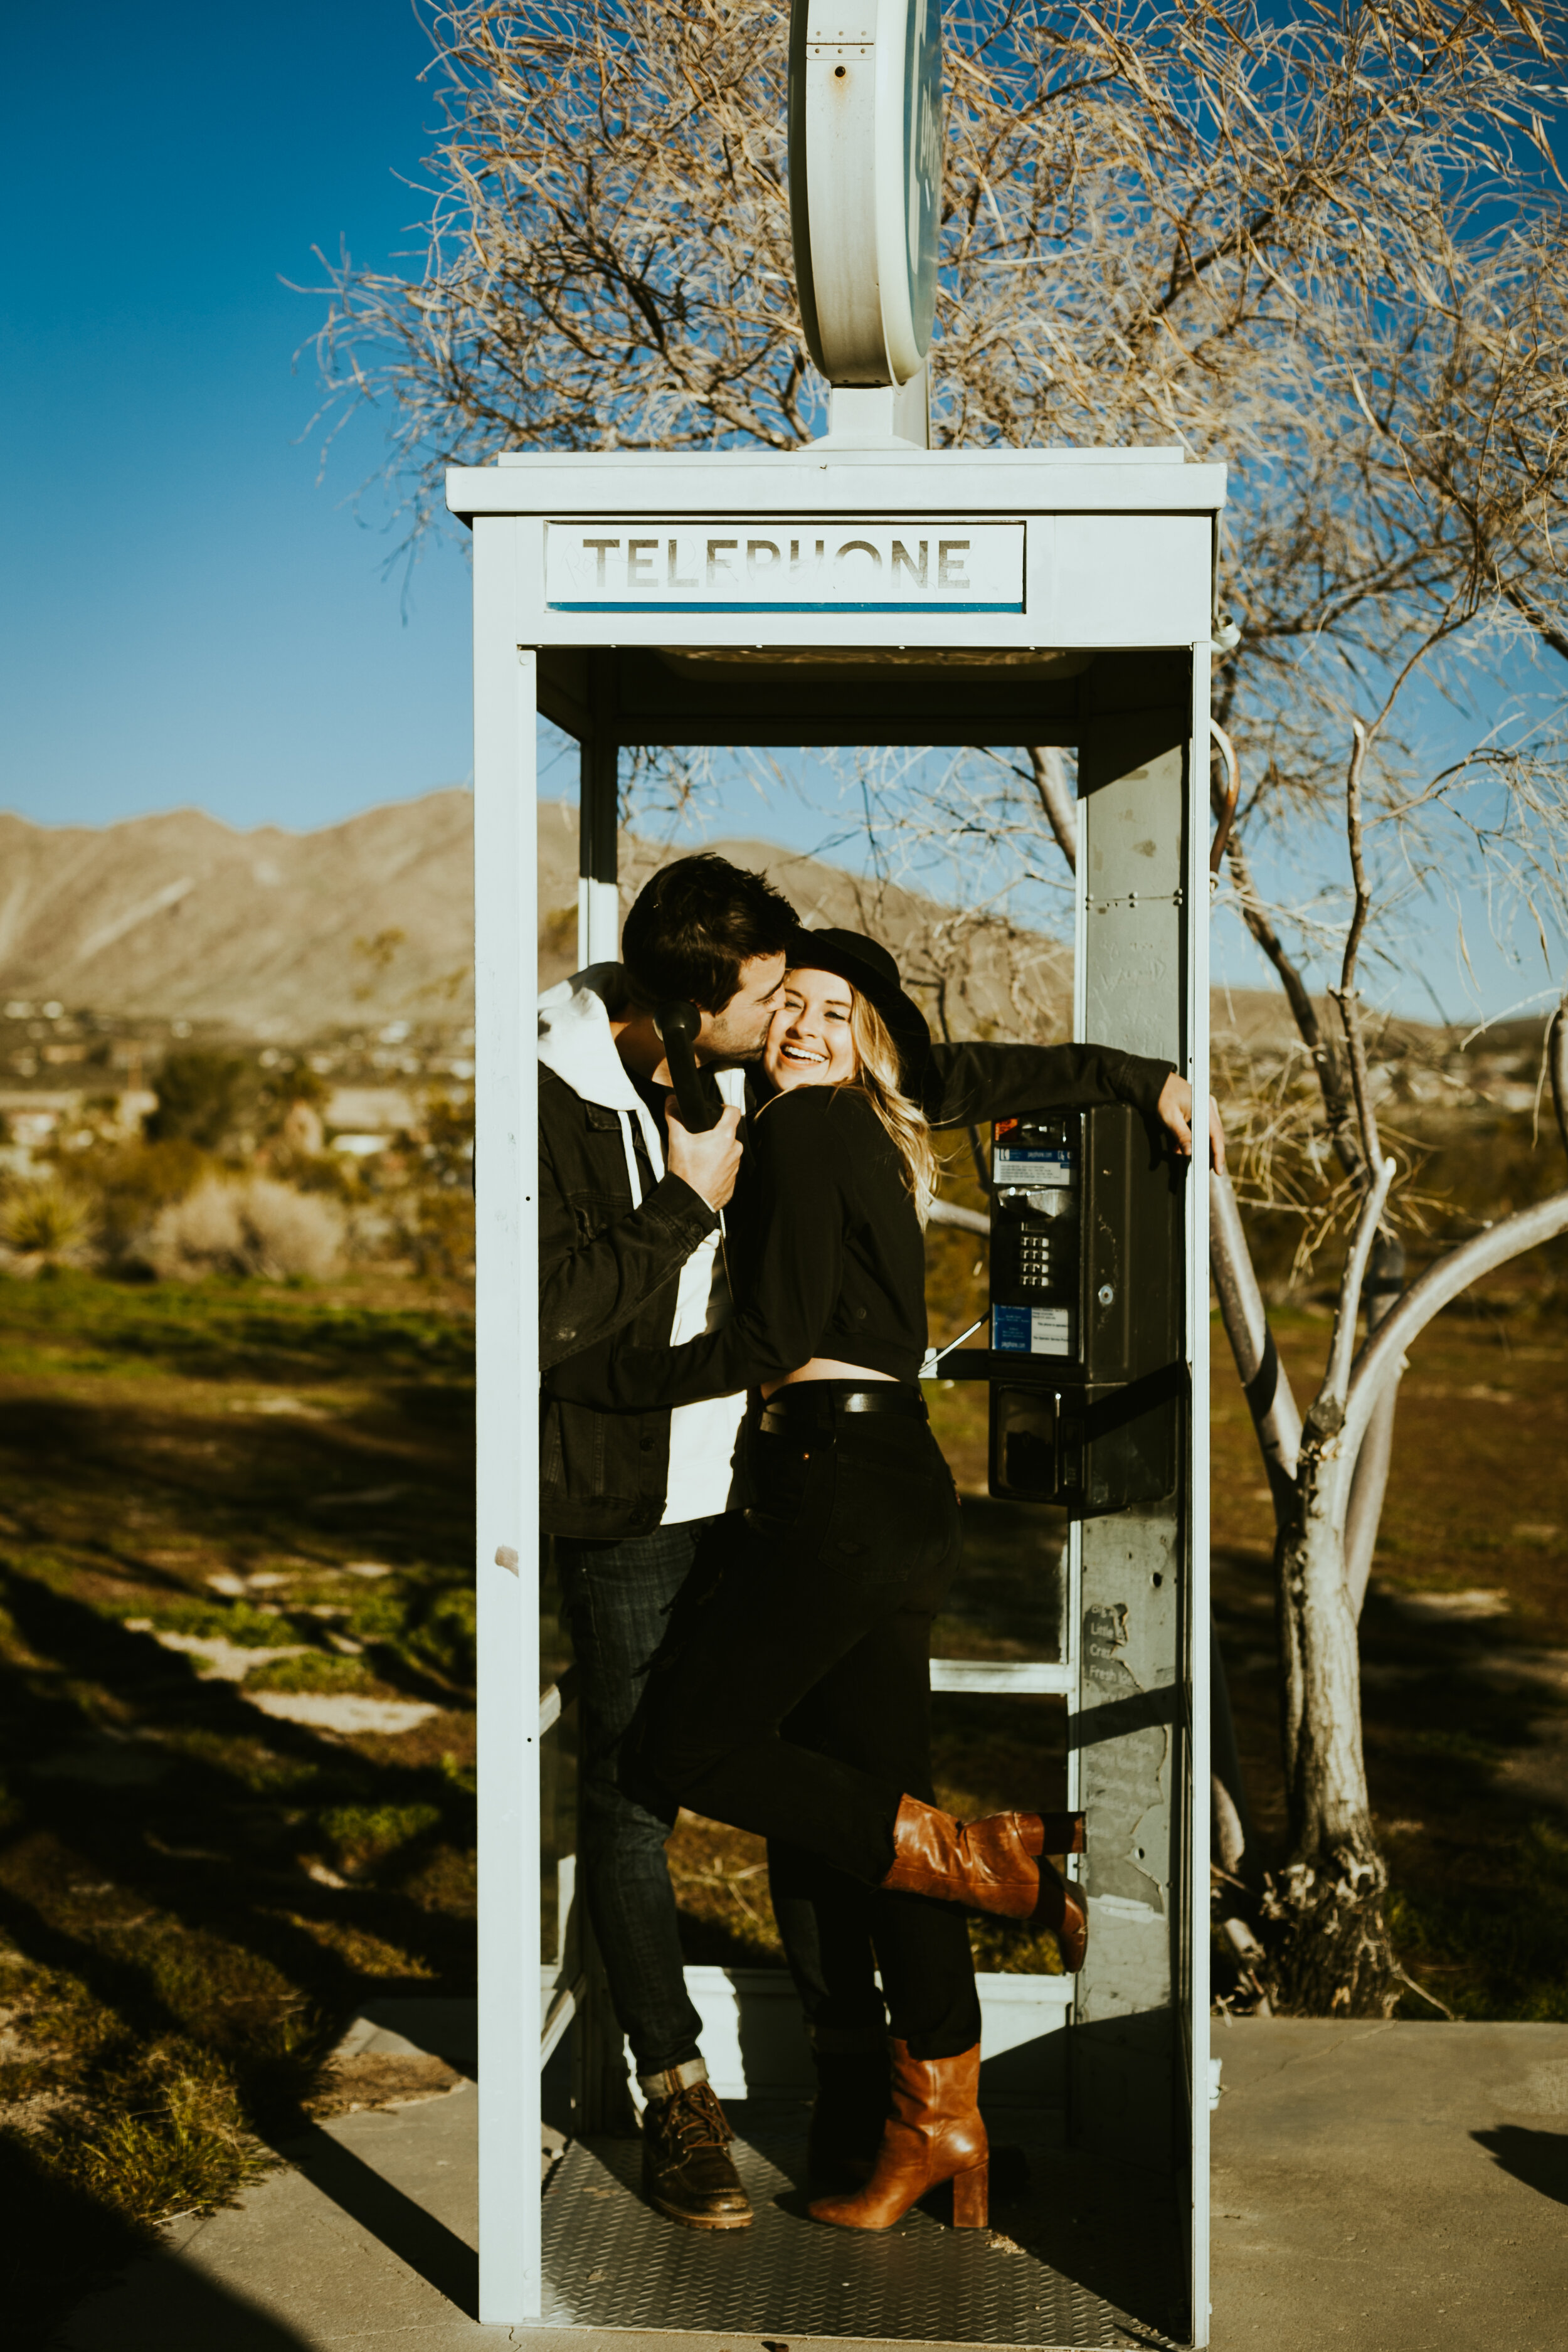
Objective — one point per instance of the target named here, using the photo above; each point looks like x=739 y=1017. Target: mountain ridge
x=265 y=931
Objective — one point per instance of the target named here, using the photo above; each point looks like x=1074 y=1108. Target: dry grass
x=194 y=1898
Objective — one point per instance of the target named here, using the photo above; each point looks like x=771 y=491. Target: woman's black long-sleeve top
x=827 y=1253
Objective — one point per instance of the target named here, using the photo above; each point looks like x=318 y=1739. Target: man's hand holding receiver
x=710 y=1163
x=1176 y=1114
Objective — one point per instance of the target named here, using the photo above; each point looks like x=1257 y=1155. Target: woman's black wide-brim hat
x=868 y=966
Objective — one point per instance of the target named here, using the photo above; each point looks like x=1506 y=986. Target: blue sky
x=189 y=614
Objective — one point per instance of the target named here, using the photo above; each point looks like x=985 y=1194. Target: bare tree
x=1331 y=1947
x=1324 y=243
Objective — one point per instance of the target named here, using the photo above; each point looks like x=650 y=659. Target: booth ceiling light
x=865 y=172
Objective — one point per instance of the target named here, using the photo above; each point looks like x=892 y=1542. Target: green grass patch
x=317 y=1672
x=363 y=1834
x=237 y=1622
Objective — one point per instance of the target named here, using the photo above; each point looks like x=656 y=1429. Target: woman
x=823 y=1609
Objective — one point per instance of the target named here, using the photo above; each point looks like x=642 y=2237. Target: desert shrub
x=134 y=1182
x=44 y=1220
x=448 y=1152
x=292 y=1233
x=294 y=1081
x=201 y=1097
x=439 y=1236
x=331 y=1173
x=255 y=1226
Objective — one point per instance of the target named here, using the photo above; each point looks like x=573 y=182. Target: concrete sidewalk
x=1385 y=2187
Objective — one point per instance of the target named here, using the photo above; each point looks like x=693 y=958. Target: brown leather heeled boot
x=934 y=2134
x=996 y=1864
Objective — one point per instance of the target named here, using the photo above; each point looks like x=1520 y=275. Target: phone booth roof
x=994 y=595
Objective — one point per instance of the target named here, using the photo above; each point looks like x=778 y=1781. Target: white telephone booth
x=861 y=591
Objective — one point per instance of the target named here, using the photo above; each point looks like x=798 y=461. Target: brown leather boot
x=934 y=2134
x=996 y=1864
x=686 y=2166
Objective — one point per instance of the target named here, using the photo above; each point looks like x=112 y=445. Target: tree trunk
x=1330 y=1953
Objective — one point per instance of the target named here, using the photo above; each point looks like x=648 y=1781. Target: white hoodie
x=577 y=1043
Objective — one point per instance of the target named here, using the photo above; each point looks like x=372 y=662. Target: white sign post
x=865 y=157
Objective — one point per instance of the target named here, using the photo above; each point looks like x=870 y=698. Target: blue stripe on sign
x=645 y=606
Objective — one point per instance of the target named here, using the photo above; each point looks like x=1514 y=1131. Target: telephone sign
x=766 y=565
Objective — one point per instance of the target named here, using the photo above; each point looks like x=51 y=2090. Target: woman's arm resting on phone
x=973 y=1082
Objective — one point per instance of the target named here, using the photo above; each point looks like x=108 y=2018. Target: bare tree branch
x=1557 y=1062
x=1550 y=633
x=1051 y=783
x=1442 y=1281
x=1346 y=996
x=1369 y=1488
x=1264 y=1379
x=1337 y=1106
x=1337 y=1377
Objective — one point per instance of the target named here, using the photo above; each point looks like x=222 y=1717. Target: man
x=630 y=1207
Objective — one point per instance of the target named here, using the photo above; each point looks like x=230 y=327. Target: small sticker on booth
x=1031 y=1330
x=785 y=567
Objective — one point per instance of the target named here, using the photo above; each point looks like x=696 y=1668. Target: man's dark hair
x=694 y=927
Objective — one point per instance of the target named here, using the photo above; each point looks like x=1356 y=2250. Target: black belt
x=817 y=1403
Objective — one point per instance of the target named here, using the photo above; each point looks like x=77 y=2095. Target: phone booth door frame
x=1104 y=554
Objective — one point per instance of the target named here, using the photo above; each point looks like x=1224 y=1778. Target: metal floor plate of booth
x=611 y=2262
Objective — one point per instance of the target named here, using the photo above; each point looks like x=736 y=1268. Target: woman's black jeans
x=794 y=1697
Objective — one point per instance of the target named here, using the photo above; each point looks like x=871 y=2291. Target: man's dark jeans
x=618 y=1596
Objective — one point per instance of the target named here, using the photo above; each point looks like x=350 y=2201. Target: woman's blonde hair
x=878 y=1078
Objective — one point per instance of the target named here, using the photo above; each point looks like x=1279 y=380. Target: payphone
x=1084 y=1365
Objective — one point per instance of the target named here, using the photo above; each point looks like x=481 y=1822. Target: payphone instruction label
x=1030 y=1330
x=1043 y=1171
x=764 y=566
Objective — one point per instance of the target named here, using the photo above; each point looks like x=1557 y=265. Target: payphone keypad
x=1037 y=1189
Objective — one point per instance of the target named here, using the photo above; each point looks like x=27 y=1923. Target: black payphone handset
x=695 y=1090
x=1085 y=1362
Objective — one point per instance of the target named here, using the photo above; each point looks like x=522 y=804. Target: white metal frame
x=1119 y=557
x=1196 y=1875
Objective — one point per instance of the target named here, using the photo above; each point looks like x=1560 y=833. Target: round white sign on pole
x=865 y=177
